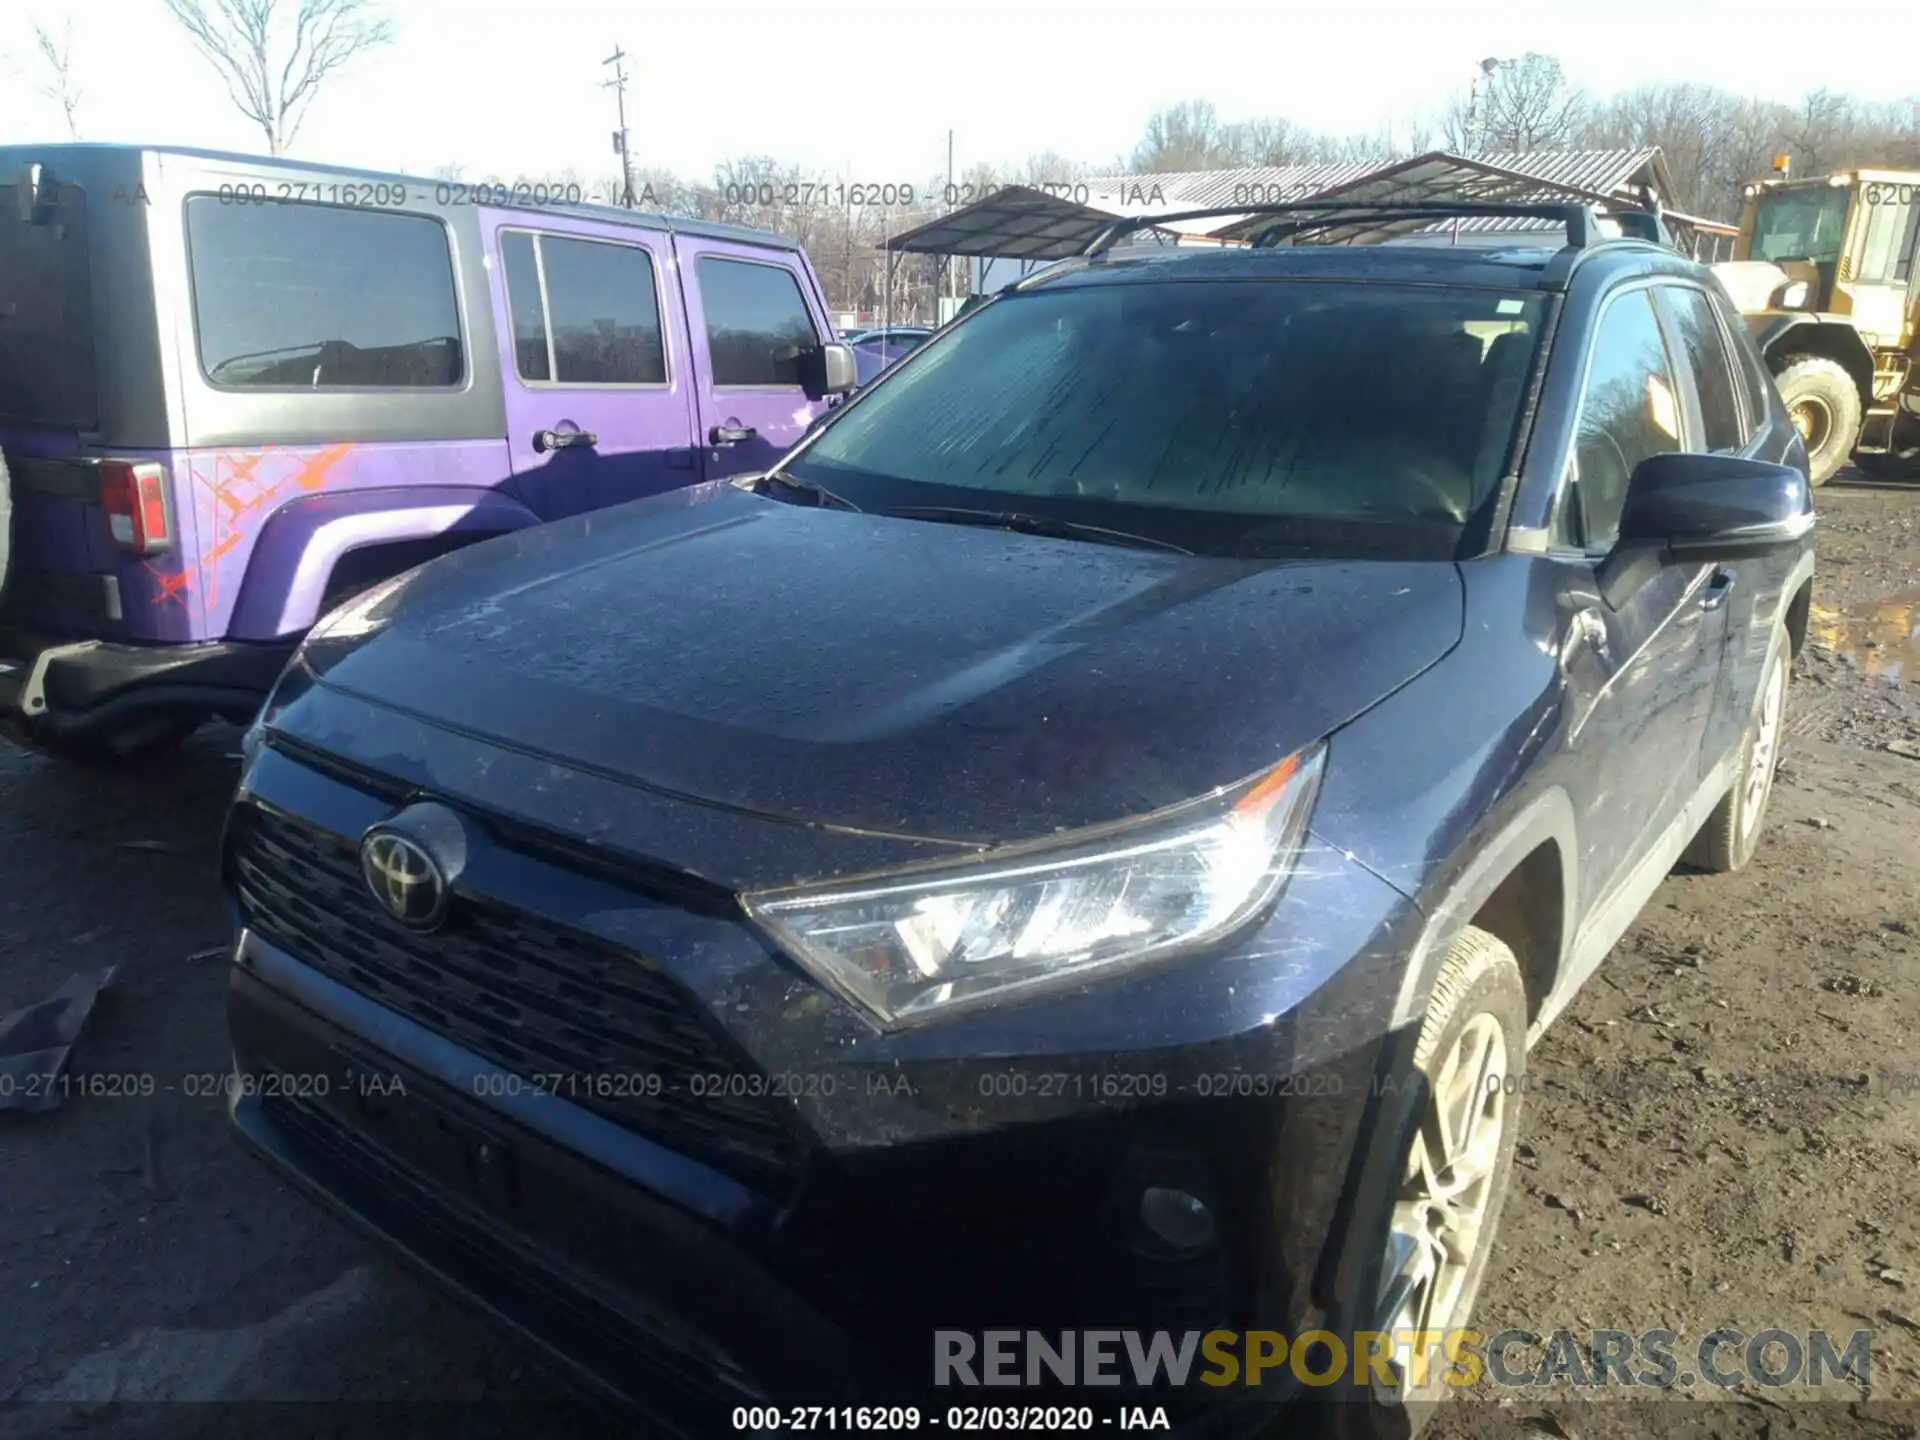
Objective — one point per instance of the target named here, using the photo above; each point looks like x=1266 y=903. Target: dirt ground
x=1724 y=1130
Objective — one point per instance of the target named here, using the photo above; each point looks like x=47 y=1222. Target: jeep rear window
x=46 y=313
x=322 y=297
x=1211 y=413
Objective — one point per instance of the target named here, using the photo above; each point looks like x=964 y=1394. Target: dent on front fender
x=302 y=542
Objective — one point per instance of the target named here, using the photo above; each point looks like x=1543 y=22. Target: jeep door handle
x=731 y=434
x=1718 y=588
x=545 y=440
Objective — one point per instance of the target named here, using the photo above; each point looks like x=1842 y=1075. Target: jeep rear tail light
x=134 y=495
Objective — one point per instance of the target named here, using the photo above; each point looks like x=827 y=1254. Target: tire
x=1824 y=403
x=1478 y=999
x=1727 y=841
x=138 y=743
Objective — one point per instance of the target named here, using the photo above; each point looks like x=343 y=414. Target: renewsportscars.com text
x=1518 y=1359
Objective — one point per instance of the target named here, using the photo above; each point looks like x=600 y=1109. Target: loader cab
x=1848 y=244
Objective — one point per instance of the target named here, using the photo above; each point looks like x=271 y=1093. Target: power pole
x=619 y=87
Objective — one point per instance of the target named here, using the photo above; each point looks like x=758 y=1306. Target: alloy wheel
x=1765 y=751
x=1439 y=1221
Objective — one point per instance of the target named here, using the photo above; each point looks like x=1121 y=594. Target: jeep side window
x=321 y=297
x=1704 y=350
x=759 y=330
x=1628 y=411
x=600 y=320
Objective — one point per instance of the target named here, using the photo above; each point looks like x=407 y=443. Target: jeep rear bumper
x=83 y=689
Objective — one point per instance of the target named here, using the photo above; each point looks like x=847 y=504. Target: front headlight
x=926 y=943
x=1792 y=296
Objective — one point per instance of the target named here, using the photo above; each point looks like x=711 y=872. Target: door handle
x=545 y=440
x=1718 y=588
x=731 y=434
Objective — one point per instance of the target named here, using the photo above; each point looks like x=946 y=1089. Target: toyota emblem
x=404 y=878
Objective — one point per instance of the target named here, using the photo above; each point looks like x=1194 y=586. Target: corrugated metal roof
x=1017 y=223
x=1532 y=177
x=1601 y=171
x=1054 y=221
x=1192 y=189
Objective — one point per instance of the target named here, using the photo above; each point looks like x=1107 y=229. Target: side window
x=584 y=312
x=759 y=330
x=526 y=311
x=1893 y=213
x=321 y=297
x=1703 y=350
x=1628 y=411
x=1755 y=380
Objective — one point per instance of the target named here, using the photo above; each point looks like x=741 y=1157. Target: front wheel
x=1727 y=841
x=1824 y=405
x=1452 y=1180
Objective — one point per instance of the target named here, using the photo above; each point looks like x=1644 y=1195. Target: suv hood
x=888 y=675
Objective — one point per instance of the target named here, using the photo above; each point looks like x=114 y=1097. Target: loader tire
x=1824 y=404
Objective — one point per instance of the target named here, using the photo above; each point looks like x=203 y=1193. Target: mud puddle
x=1881 y=636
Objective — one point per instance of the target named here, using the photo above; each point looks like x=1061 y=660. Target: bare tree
x=274 y=55
x=1524 y=104
x=1277 y=141
x=58 y=85
x=1187 y=136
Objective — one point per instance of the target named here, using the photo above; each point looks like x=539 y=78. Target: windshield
x=1225 y=416
x=1805 y=224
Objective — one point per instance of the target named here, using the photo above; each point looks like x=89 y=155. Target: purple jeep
x=236 y=391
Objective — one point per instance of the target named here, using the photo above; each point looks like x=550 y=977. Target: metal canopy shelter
x=1017 y=223
x=1433 y=178
x=1439 y=177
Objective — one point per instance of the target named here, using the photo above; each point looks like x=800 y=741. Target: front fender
x=303 y=540
x=1781 y=332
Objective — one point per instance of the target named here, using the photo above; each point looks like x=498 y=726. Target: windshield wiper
x=1030 y=524
x=793 y=483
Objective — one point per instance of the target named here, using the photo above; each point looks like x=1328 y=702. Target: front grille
x=648 y=1353
x=572 y=1013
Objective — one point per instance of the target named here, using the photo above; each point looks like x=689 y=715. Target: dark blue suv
x=1088 y=840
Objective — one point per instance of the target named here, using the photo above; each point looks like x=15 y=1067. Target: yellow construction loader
x=1827 y=273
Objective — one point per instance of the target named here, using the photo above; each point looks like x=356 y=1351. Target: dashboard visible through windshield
x=1240 y=416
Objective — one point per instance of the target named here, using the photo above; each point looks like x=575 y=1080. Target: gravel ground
x=1723 y=1130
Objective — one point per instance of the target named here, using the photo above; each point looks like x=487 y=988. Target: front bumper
x=973 y=1176
x=82 y=688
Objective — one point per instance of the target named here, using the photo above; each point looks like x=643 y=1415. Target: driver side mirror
x=1714 y=507
x=831 y=371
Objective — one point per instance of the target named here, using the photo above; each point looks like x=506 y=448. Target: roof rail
x=1301 y=216
x=1641 y=224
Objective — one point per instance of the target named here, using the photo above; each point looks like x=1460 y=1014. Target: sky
x=866 y=91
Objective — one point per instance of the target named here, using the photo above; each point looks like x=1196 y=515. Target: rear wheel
x=1727 y=841
x=1824 y=404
